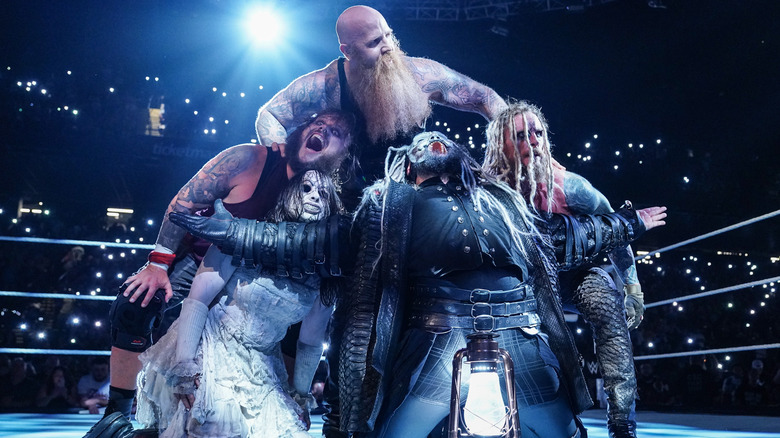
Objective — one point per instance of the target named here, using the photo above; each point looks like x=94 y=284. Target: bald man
x=390 y=93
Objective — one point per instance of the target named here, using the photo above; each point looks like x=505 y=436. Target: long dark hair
x=285 y=210
x=346 y=168
x=291 y=196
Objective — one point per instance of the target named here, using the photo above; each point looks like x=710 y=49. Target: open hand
x=652 y=216
x=188 y=400
x=148 y=280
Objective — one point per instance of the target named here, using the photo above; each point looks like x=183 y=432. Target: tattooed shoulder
x=582 y=197
x=213 y=180
x=304 y=96
x=233 y=161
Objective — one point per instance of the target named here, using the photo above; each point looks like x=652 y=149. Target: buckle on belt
x=523 y=295
x=479 y=296
x=481 y=309
x=484 y=323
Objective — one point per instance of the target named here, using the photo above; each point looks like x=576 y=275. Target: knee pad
x=599 y=301
x=131 y=324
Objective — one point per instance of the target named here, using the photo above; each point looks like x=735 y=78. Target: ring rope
x=148 y=246
x=77 y=242
x=645 y=357
x=710 y=234
x=8 y=293
x=712 y=292
x=52 y=351
x=711 y=351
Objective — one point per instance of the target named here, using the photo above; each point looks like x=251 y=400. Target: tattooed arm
x=214 y=181
x=583 y=198
x=455 y=90
x=290 y=107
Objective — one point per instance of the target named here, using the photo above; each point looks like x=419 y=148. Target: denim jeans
x=543 y=405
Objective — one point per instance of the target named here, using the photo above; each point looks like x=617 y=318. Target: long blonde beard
x=390 y=99
x=536 y=179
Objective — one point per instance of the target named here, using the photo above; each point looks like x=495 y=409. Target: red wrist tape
x=161 y=257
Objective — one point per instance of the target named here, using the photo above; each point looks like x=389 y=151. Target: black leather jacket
x=376 y=302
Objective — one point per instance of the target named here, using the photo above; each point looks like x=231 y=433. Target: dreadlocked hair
x=539 y=172
x=480 y=196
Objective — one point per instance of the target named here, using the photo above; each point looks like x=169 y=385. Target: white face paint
x=314 y=197
x=531 y=136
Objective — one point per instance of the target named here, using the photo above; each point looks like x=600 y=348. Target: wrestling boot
x=115 y=425
x=602 y=306
x=621 y=429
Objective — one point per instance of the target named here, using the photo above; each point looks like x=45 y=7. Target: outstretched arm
x=582 y=198
x=455 y=90
x=578 y=239
x=293 y=248
x=213 y=181
x=291 y=106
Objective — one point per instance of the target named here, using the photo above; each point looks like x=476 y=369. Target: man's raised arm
x=455 y=90
x=290 y=107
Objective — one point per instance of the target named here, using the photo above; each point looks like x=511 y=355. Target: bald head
x=356 y=21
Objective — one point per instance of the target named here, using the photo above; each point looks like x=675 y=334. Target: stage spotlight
x=264 y=25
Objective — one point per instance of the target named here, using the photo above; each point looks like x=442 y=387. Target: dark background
x=701 y=76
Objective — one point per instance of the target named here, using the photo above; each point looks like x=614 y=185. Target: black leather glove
x=220 y=229
x=579 y=239
x=293 y=248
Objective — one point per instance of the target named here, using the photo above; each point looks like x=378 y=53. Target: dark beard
x=327 y=164
x=451 y=163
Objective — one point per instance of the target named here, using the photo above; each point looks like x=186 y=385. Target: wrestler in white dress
x=218 y=372
x=243 y=384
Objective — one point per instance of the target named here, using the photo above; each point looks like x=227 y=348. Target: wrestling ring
x=61 y=308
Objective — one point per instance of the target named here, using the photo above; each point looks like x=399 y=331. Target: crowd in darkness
x=738 y=382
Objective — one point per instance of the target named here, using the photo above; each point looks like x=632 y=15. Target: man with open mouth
x=444 y=251
x=248 y=179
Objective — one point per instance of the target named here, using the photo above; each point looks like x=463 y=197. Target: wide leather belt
x=438 y=322
x=443 y=308
x=472 y=295
x=451 y=307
